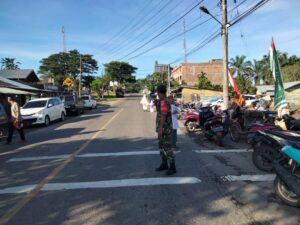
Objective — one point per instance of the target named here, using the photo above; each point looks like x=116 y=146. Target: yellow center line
x=14 y=210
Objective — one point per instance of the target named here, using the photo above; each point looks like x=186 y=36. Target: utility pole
x=184 y=42
x=224 y=27
x=64 y=39
x=169 y=81
x=80 y=77
x=225 y=53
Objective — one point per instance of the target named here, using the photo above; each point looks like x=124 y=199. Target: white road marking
x=104 y=184
x=88 y=155
x=17 y=190
x=90 y=115
x=120 y=154
x=20 y=159
x=263 y=177
x=223 y=150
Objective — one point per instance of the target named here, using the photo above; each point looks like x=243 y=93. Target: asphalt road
x=99 y=169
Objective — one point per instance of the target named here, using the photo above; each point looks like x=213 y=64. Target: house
x=27 y=76
x=292 y=91
x=21 y=91
x=191 y=94
x=188 y=73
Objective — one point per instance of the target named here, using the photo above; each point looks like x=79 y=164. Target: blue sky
x=31 y=30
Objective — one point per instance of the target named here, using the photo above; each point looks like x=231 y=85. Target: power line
x=118 y=34
x=118 y=48
x=172 y=24
x=172 y=37
x=141 y=23
x=216 y=35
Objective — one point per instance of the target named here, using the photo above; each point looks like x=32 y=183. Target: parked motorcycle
x=191 y=121
x=287 y=181
x=267 y=148
x=291 y=123
x=249 y=122
x=215 y=127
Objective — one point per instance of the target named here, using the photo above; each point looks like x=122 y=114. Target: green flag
x=279 y=99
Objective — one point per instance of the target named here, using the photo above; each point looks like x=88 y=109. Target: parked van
x=43 y=111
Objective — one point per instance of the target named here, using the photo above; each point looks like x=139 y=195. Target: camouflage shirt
x=163 y=106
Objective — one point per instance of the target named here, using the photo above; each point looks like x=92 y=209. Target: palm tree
x=9 y=64
x=241 y=67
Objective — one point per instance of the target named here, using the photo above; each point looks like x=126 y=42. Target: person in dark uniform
x=163 y=129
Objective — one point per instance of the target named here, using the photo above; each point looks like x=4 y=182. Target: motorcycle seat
x=290 y=136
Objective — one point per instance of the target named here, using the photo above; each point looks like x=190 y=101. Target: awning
x=5 y=90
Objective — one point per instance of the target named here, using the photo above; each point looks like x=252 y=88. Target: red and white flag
x=232 y=82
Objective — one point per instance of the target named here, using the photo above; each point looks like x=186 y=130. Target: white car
x=249 y=99
x=43 y=111
x=89 y=102
x=213 y=101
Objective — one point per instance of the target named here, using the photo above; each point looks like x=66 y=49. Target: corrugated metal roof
x=5 y=90
x=18 y=85
x=269 y=88
x=16 y=74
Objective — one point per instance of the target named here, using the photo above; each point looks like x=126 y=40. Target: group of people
x=166 y=128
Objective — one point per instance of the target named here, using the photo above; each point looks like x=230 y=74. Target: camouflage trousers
x=165 y=147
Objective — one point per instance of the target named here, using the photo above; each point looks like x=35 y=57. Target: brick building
x=161 y=68
x=189 y=72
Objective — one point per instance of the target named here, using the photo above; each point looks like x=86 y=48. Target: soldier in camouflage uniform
x=163 y=129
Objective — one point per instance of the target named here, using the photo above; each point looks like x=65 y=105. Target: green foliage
x=204 y=83
x=120 y=71
x=135 y=87
x=245 y=85
x=100 y=85
x=61 y=65
x=9 y=64
x=289 y=67
x=154 y=79
x=87 y=80
x=241 y=67
x=291 y=72
x=174 y=83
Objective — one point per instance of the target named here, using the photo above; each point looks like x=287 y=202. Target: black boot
x=171 y=170
x=163 y=166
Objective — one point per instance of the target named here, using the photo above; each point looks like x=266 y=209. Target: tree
x=291 y=73
x=204 y=83
x=9 y=64
x=87 y=80
x=61 y=65
x=239 y=66
x=245 y=86
x=120 y=71
x=100 y=85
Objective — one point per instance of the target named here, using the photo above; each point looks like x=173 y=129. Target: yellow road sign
x=68 y=82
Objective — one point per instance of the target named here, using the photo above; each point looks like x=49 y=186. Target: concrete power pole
x=225 y=53
x=80 y=76
x=63 y=39
x=169 y=81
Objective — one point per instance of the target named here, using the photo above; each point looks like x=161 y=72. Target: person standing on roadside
x=144 y=102
x=175 y=112
x=163 y=129
x=15 y=120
